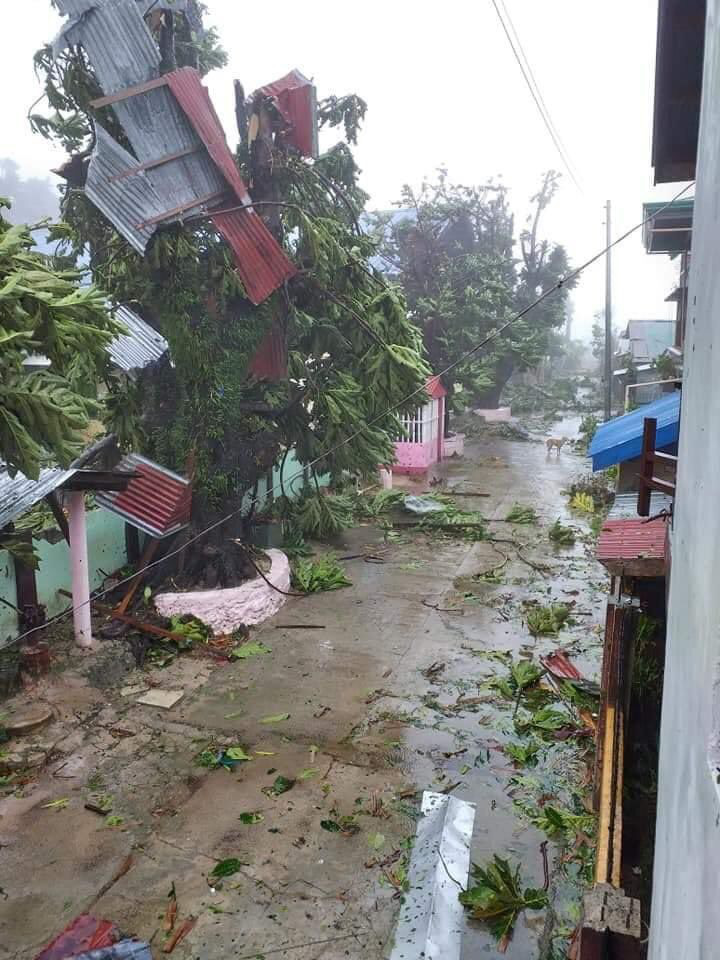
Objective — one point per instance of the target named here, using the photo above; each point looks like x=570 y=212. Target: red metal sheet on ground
x=83 y=934
x=157 y=501
x=632 y=539
x=261 y=262
x=559 y=665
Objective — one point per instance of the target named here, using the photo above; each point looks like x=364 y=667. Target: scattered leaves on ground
x=521 y=514
x=250 y=818
x=275 y=718
x=313 y=576
x=496 y=897
x=245 y=650
x=547 y=620
x=279 y=786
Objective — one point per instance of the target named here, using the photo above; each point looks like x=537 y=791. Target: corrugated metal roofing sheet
x=157 y=501
x=18 y=494
x=621 y=439
x=270 y=360
x=195 y=102
x=632 y=540
x=625 y=505
x=140 y=346
x=177 y=118
x=295 y=99
x=261 y=262
x=127 y=202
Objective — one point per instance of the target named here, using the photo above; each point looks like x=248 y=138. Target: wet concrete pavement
x=366 y=730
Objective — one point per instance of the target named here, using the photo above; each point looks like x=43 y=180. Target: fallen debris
x=165 y=699
x=430 y=922
x=497 y=898
x=182 y=931
x=82 y=934
x=434 y=670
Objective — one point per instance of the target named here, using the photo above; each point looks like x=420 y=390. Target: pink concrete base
x=226 y=610
x=500 y=415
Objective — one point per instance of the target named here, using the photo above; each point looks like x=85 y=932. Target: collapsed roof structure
x=180 y=165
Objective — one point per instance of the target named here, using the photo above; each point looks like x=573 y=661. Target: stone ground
x=367 y=730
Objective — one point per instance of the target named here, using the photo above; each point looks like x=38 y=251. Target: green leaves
x=43 y=413
x=560 y=535
x=496 y=897
x=275 y=718
x=280 y=785
x=251 y=818
x=521 y=514
x=226 y=868
x=547 y=620
x=246 y=650
x=323 y=574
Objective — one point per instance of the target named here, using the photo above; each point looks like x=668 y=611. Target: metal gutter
x=431 y=918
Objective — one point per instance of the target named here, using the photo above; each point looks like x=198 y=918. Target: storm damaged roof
x=140 y=346
x=182 y=165
x=295 y=99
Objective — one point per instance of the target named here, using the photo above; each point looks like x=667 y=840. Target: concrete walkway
x=367 y=729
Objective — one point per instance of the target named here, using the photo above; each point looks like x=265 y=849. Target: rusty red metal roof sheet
x=270 y=359
x=259 y=258
x=194 y=99
x=559 y=665
x=295 y=100
x=157 y=501
x=632 y=539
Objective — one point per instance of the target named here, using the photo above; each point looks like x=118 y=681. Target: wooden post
x=79 y=570
x=647 y=466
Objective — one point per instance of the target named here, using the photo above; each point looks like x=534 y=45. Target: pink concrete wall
x=413 y=457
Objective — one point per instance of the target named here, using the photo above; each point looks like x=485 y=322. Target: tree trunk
x=490 y=399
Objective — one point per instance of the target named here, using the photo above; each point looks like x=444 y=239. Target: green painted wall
x=106 y=550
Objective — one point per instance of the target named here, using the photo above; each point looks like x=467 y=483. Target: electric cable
x=493 y=335
x=537 y=97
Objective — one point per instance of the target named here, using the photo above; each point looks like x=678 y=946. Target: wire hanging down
x=532 y=85
x=493 y=335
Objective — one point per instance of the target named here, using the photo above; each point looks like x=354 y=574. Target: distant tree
x=43 y=413
x=453 y=252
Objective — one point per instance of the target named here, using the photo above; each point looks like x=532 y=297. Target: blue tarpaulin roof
x=621 y=439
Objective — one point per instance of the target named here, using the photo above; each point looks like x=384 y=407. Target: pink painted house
x=423 y=442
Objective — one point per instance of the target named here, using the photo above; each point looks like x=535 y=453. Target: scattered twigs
x=546 y=871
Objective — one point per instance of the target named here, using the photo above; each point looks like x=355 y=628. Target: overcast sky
x=443 y=89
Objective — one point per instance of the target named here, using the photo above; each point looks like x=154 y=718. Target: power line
x=493 y=335
x=537 y=97
x=545 y=107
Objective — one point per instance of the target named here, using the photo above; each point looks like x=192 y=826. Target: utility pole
x=608 y=317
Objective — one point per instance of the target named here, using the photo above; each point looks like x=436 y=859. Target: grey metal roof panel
x=127 y=202
x=625 y=505
x=118 y=44
x=123 y=53
x=18 y=494
x=140 y=346
x=74 y=8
